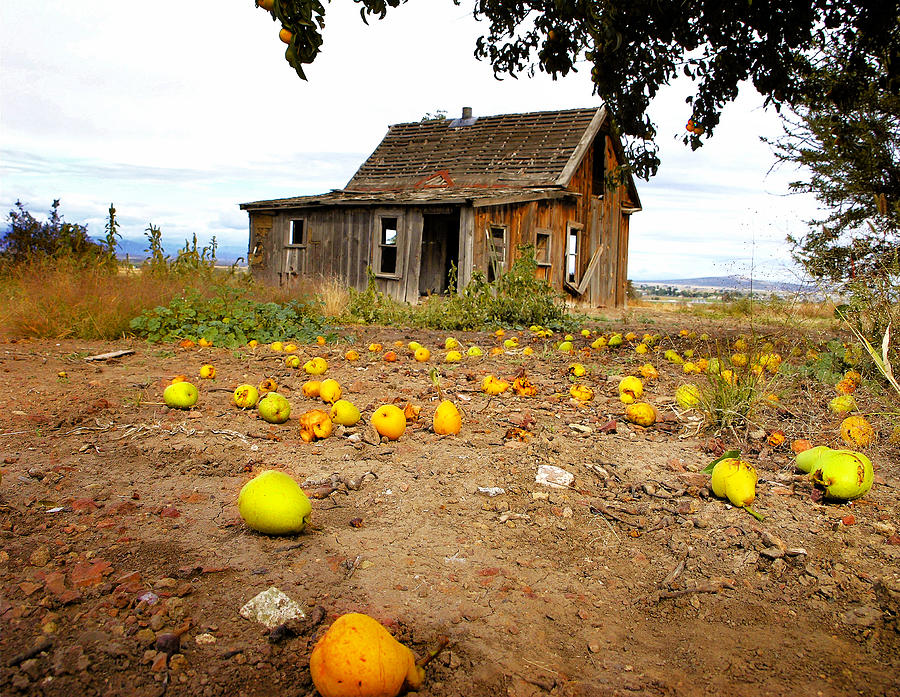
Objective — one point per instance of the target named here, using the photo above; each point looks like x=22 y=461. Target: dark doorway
x=440 y=249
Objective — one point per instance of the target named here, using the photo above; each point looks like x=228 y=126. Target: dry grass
x=330 y=292
x=56 y=302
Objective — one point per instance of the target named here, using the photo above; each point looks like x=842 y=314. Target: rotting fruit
x=245 y=396
x=630 y=389
x=358 y=657
x=735 y=480
x=315 y=424
x=274 y=504
x=641 y=413
x=808 y=459
x=857 y=431
x=844 y=475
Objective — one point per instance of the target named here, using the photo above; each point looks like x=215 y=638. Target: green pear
x=274 y=504
x=808 y=459
x=180 y=395
x=844 y=474
x=274 y=408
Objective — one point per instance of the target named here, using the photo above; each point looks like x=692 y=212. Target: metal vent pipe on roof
x=467 y=112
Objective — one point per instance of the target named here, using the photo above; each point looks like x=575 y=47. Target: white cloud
x=179 y=111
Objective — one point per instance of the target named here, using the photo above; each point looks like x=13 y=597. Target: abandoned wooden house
x=467 y=191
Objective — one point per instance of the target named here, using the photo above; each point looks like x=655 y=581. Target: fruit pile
x=357 y=651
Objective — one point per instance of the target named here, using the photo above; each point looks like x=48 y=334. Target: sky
x=177 y=112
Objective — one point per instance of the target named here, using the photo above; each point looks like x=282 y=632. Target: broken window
x=297 y=233
x=497 y=243
x=573 y=244
x=542 y=248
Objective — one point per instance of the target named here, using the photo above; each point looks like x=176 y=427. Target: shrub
x=230 y=318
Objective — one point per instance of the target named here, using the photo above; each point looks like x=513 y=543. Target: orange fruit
x=286 y=35
x=856 y=431
x=389 y=421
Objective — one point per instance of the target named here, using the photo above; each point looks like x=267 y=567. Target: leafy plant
x=230 y=319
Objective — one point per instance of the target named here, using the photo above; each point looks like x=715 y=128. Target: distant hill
x=738 y=283
x=136 y=251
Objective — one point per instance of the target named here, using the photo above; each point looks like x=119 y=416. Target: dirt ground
x=119 y=523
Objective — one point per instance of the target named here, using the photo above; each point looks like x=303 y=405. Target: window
x=573 y=242
x=297 y=233
x=387 y=250
x=496 y=252
x=542 y=248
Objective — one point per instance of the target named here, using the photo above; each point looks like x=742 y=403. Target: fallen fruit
x=268 y=385
x=422 y=354
x=494 y=386
x=207 y=372
x=274 y=408
x=843 y=474
x=474 y=351
x=453 y=357
x=315 y=424
x=389 y=421
x=808 y=459
x=523 y=387
x=315 y=366
x=630 y=389
x=352 y=355
x=311 y=388
x=447 y=420
x=800 y=445
x=451 y=343
x=688 y=396
x=735 y=480
x=648 y=372
x=330 y=390
x=842 y=404
x=245 y=396
x=274 y=504
x=276 y=346
x=641 y=413
x=345 y=413
x=180 y=395
x=581 y=392
x=857 y=431
x=577 y=370
x=292 y=361
x=358 y=657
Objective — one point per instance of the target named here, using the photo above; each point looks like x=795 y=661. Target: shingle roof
x=483 y=161
x=509 y=150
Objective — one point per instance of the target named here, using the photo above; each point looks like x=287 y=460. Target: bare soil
x=119 y=523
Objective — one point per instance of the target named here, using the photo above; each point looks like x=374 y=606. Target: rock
x=70 y=660
x=271 y=607
x=40 y=556
x=32 y=668
x=861 y=616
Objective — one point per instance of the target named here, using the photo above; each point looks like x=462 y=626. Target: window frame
x=290 y=233
x=578 y=229
x=497 y=263
x=548 y=254
x=378 y=246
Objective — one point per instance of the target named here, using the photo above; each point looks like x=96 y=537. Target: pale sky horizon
x=178 y=112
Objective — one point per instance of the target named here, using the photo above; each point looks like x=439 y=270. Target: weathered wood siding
x=600 y=213
x=339 y=243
